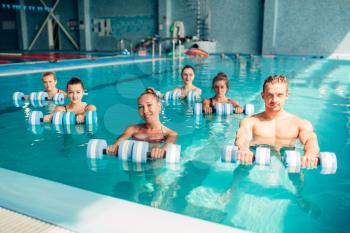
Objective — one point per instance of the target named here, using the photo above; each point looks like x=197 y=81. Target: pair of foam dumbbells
x=174 y=95
x=59 y=118
x=291 y=158
x=223 y=109
x=36 y=98
x=130 y=150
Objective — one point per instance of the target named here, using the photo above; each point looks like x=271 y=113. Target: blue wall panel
x=237 y=25
x=132 y=20
x=8 y=38
x=313 y=27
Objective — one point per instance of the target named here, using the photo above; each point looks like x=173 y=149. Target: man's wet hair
x=275 y=79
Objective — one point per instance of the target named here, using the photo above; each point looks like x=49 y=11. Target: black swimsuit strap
x=87 y=105
x=211 y=104
x=164 y=136
x=160 y=140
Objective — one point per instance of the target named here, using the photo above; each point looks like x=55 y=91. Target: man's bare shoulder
x=300 y=122
x=256 y=117
x=251 y=120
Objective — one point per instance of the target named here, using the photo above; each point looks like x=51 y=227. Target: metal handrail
x=173 y=40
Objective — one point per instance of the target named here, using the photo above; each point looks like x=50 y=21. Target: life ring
x=196 y=52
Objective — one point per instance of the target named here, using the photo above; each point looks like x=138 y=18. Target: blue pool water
x=261 y=199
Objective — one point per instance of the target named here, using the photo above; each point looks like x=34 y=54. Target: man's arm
x=244 y=134
x=308 y=138
x=243 y=138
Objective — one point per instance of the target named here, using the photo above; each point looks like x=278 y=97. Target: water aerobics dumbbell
x=224 y=109
x=261 y=155
x=36 y=98
x=69 y=118
x=66 y=118
x=327 y=161
x=174 y=95
x=136 y=151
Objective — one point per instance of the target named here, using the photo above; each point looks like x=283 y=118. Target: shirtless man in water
x=276 y=127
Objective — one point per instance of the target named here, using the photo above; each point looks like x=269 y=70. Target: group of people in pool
x=74 y=91
x=274 y=126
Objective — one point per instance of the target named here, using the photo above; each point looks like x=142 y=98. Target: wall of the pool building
x=288 y=27
x=236 y=25
x=306 y=27
x=130 y=20
x=8 y=32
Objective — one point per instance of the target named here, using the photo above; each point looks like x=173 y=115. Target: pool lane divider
x=71 y=64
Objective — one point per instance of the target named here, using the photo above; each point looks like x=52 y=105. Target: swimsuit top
x=58 y=91
x=211 y=104
x=183 y=91
x=158 y=140
x=85 y=109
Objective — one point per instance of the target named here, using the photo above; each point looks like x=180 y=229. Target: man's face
x=274 y=96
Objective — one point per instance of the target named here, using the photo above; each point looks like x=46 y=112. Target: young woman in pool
x=75 y=93
x=220 y=86
x=152 y=130
x=50 y=81
x=187 y=75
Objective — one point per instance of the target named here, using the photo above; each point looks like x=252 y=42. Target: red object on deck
x=197 y=52
x=11 y=58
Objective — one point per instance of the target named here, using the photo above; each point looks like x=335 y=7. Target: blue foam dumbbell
x=42 y=97
x=58 y=98
x=261 y=156
x=136 y=151
x=18 y=99
x=69 y=125
x=37 y=118
x=327 y=161
x=36 y=98
x=69 y=118
x=97 y=148
x=171 y=95
x=192 y=96
x=224 y=109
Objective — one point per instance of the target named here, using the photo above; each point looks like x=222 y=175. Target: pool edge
x=84 y=211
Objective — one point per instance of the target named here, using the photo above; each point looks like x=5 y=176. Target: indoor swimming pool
x=254 y=198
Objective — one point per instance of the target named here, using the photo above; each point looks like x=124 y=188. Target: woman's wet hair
x=275 y=79
x=75 y=80
x=186 y=67
x=150 y=91
x=47 y=74
x=220 y=77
